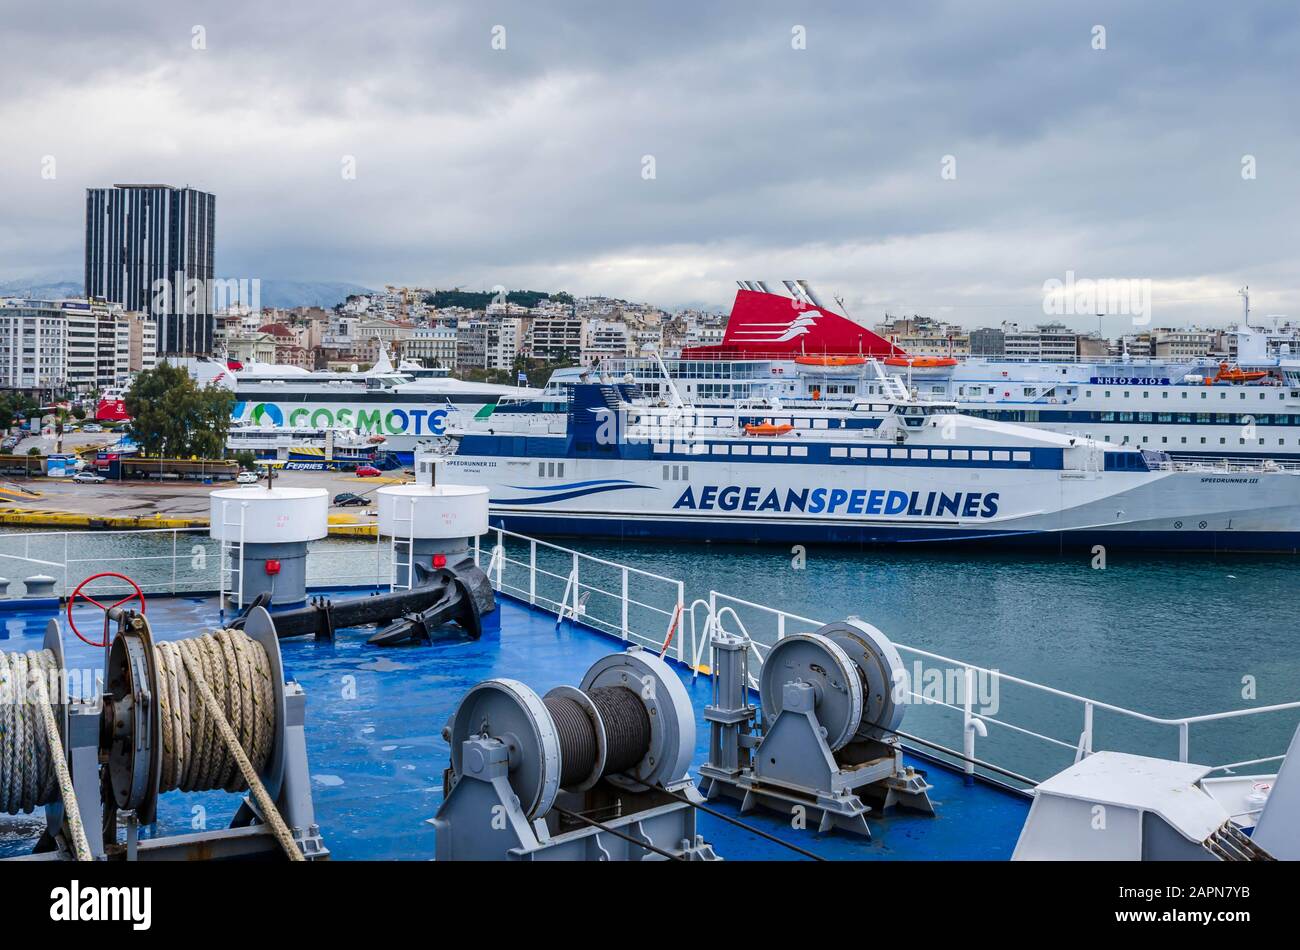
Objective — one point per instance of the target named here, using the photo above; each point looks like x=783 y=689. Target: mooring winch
x=832 y=702
x=211 y=712
x=597 y=772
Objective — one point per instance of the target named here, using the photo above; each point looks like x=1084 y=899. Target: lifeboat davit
x=830 y=360
x=766 y=428
x=1238 y=375
x=920 y=362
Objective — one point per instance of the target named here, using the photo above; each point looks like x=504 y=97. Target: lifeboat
x=921 y=362
x=766 y=428
x=1238 y=375
x=830 y=360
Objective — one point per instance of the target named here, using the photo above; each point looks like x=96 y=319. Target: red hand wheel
x=136 y=594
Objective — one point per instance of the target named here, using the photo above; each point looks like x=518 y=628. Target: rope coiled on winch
x=33 y=765
x=27 y=776
x=627 y=732
x=236 y=668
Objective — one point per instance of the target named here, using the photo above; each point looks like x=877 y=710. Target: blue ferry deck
x=374 y=722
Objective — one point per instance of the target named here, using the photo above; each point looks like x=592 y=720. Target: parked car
x=246 y=478
x=92 y=427
x=347 y=499
x=89 y=478
x=367 y=471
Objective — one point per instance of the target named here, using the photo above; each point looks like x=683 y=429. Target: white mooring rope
x=33 y=765
x=216 y=703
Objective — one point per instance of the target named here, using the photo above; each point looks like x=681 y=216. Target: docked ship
x=383 y=401
x=889 y=468
x=310 y=448
x=794 y=350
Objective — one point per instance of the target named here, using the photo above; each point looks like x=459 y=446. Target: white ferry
x=797 y=352
x=890 y=469
x=309 y=448
x=404 y=404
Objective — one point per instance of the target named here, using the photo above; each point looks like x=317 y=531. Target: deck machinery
x=832 y=702
x=155 y=727
x=594 y=773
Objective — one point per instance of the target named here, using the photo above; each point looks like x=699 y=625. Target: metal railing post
x=576 y=585
x=681 y=606
x=1184 y=729
x=1085 y=738
x=532 y=572
x=624 y=606
x=175 y=541
x=501 y=556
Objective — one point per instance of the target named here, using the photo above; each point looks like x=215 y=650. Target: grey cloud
x=480 y=167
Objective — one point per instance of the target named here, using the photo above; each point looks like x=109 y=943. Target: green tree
x=173 y=418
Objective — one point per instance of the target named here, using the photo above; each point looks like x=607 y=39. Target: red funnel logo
x=770 y=326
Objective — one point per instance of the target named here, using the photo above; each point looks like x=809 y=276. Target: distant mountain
x=40 y=289
x=294 y=293
x=275 y=293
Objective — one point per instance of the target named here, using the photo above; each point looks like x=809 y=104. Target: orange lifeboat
x=766 y=428
x=920 y=362
x=830 y=360
x=1238 y=375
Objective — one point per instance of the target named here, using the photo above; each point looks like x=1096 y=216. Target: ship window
x=559 y=470
x=686 y=472
x=1164 y=395
x=1185 y=395
x=875 y=453
x=1164 y=439
x=1222 y=441
x=979 y=455
x=667 y=476
x=938 y=453
x=803 y=423
x=780 y=450
x=898 y=453
x=661 y=447
x=837 y=452
x=820 y=424
x=1000 y=456
x=1146 y=394
x=719 y=450
x=541 y=469
x=920 y=453
x=1243 y=395
x=800 y=450
x=740 y=450
x=960 y=455
x=758 y=450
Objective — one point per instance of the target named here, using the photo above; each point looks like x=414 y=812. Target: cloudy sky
x=659 y=151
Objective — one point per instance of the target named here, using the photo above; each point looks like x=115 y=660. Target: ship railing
x=635 y=605
x=1197 y=463
x=178 y=560
x=991 y=740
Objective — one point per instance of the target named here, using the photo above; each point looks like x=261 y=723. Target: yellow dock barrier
x=340 y=525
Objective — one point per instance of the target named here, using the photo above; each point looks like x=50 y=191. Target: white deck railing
x=724 y=613
x=635 y=605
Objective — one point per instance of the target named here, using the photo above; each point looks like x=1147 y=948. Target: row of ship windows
x=550 y=469
x=1184 y=418
x=1223 y=394
x=1164 y=440
x=798 y=451
x=942 y=455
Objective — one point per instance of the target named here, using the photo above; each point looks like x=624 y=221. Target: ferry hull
x=1053 y=510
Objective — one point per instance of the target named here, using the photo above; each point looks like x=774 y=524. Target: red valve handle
x=137 y=594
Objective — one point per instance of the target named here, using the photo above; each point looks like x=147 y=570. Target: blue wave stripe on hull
x=594 y=481
x=565 y=496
